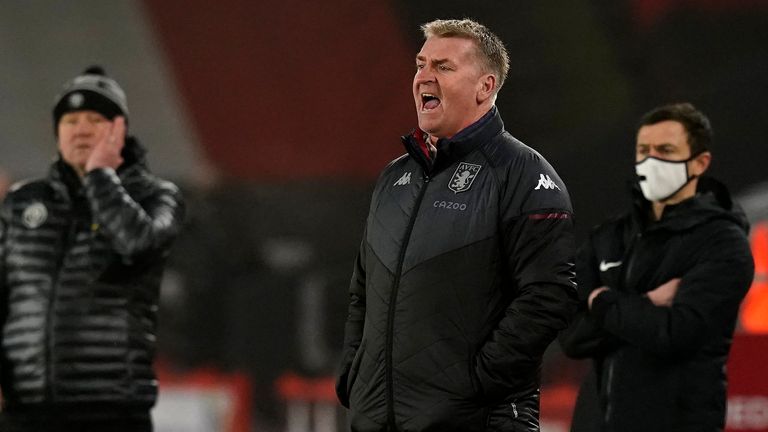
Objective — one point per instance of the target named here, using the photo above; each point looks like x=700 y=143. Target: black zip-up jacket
x=464 y=277
x=80 y=269
x=662 y=368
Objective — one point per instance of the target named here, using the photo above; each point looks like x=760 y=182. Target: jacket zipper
x=627 y=272
x=392 y=304
x=630 y=258
x=49 y=391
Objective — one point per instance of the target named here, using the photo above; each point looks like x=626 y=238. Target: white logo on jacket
x=34 y=215
x=450 y=205
x=463 y=177
x=403 y=180
x=546 y=183
x=607 y=265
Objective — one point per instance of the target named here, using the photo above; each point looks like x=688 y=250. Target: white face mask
x=660 y=179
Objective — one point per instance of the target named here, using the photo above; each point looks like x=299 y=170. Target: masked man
x=661 y=288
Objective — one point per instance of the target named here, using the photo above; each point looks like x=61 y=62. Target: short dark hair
x=696 y=124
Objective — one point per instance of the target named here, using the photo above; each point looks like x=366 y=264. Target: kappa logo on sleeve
x=546 y=182
x=463 y=177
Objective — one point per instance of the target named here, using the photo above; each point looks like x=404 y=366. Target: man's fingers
x=117 y=135
x=671 y=284
x=594 y=294
x=674 y=284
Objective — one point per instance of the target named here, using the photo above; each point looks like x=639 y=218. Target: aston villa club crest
x=463 y=177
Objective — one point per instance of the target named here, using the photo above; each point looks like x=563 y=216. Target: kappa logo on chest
x=403 y=180
x=463 y=177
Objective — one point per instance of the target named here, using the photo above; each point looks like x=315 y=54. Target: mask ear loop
x=686 y=165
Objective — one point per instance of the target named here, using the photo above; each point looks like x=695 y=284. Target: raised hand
x=106 y=154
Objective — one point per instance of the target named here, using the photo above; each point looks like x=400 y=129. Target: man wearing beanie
x=82 y=252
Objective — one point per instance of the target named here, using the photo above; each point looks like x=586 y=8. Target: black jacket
x=464 y=277
x=663 y=368
x=80 y=269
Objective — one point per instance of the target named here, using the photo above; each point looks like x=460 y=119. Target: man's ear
x=700 y=163
x=487 y=88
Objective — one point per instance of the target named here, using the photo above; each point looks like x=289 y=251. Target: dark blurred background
x=276 y=116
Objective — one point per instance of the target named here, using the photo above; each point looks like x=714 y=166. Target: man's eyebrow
x=656 y=145
x=434 y=61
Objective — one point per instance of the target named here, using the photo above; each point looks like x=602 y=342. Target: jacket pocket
x=355 y=368
x=477 y=388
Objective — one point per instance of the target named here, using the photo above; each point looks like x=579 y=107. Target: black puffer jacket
x=662 y=368
x=464 y=277
x=79 y=280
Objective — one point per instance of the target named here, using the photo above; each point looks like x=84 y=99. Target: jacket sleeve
x=537 y=252
x=540 y=260
x=706 y=303
x=353 y=329
x=584 y=337
x=134 y=227
x=4 y=220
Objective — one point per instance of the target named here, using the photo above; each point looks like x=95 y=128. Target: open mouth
x=429 y=101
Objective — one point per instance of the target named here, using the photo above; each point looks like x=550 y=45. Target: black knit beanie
x=93 y=90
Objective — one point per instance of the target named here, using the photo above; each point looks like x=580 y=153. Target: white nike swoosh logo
x=605 y=265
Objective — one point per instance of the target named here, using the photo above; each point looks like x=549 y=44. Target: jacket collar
x=449 y=150
x=712 y=201
x=64 y=180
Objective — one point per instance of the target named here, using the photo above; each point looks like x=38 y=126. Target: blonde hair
x=490 y=48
